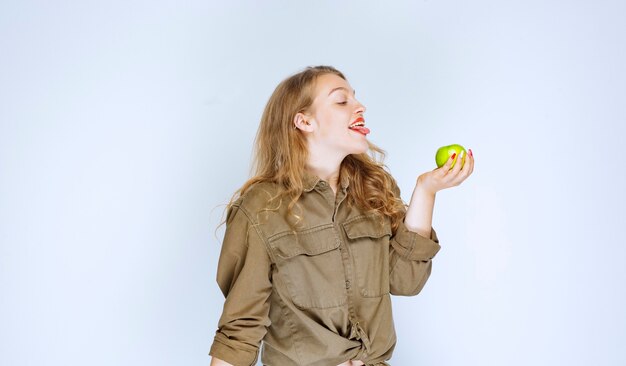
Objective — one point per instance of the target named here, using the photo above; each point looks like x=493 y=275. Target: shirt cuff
x=225 y=351
x=413 y=246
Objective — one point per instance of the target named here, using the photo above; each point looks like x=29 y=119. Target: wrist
x=422 y=189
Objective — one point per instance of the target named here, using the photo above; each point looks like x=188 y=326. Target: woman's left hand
x=444 y=177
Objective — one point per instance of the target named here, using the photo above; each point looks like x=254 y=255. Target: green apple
x=444 y=153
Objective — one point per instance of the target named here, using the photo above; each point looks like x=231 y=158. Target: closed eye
x=342 y=103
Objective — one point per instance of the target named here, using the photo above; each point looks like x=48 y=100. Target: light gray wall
x=125 y=127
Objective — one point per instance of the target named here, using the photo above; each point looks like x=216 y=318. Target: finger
x=471 y=155
x=448 y=165
x=466 y=170
x=459 y=163
x=467 y=161
x=468 y=166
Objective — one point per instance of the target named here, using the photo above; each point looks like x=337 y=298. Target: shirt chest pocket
x=369 y=245
x=309 y=264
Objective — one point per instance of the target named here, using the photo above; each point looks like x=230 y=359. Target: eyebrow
x=341 y=87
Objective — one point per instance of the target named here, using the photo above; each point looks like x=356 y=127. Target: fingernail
x=470 y=151
x=453 y=156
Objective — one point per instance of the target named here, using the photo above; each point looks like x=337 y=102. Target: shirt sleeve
x=244 y=276
x=410 y=259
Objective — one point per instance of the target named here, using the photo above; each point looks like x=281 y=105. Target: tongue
x=361 y=129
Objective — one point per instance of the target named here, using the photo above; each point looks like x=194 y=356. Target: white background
x=125 y=126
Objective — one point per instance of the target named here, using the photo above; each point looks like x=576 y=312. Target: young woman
x=319 y=238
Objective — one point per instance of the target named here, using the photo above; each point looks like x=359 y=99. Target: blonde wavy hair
x=280 y=154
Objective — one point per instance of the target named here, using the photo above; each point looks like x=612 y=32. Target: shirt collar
x=311 y=180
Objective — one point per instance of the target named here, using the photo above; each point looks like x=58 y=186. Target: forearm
x=413 y=246
x=217 y=362
x=419 y=215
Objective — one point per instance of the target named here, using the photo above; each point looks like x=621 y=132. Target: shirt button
x=347 y=284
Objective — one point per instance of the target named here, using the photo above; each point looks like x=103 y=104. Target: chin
x=360 y=150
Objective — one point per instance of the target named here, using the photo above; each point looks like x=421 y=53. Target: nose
x=361 y=108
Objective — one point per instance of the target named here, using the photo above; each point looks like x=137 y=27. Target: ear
x=301 y=121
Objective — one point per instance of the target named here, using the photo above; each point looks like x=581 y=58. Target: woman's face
x=334 y=109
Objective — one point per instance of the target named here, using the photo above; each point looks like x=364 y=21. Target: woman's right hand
x=217 y=362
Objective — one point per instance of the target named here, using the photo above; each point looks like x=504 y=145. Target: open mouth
x=359 y=126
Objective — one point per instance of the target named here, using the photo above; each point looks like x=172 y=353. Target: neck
x=326 y=170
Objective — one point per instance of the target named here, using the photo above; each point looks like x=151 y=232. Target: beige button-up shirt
x=318 y=296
